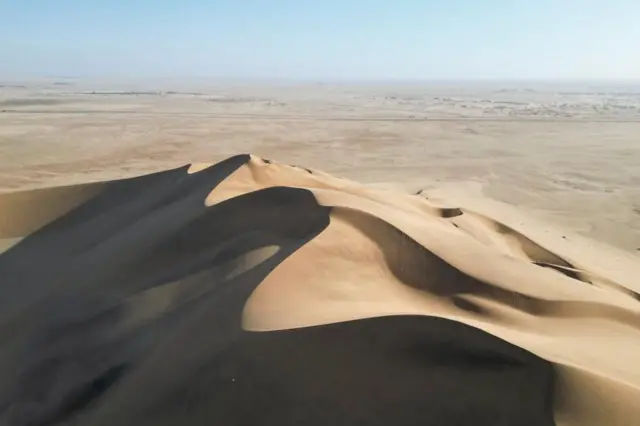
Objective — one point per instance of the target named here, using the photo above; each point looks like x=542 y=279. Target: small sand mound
x=254 y=293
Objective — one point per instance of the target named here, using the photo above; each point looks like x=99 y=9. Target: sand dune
x=251 y=292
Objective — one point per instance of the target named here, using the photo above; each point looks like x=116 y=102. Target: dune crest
x=288 y=277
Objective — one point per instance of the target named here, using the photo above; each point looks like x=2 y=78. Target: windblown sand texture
x=255 y=293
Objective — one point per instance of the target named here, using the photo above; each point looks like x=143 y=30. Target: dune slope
x=250 y=292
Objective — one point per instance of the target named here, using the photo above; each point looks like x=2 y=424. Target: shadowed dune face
x=42 y=205
x=249 y=292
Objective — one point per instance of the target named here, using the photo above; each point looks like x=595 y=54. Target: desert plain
x=564 y=152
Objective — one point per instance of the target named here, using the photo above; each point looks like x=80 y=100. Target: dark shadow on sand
x=127 y=311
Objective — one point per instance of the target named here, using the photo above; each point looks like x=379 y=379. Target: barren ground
x=566 y=153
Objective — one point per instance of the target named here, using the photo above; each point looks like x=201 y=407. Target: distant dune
x=565 y=152
x=250 y=292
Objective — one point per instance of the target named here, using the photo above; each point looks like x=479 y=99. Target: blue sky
x=330 y=39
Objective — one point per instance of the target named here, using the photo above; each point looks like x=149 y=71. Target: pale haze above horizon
x=329 y=39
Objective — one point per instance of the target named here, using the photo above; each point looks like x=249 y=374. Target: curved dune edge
x=395 y=240
x=381 y=254
x=22 y=213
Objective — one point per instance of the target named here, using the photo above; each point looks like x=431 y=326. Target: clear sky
x=339 y=39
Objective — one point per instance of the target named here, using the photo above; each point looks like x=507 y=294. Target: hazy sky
x=343 y=39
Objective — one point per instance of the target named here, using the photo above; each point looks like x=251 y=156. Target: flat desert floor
x=568 y=154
